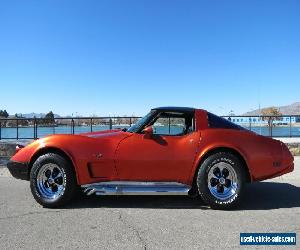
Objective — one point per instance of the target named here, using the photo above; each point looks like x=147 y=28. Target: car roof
x=173 y=109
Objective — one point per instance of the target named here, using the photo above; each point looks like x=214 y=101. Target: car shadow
x=270 y=195
x=137 y=201
x=258 y=196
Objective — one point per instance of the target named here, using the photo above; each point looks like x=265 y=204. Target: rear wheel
x=52 y=180
x=221 y=180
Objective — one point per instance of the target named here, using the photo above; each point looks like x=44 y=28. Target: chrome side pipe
x=136 y=188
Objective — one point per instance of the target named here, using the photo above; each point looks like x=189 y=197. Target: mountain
x=293 y=109
x=37 y=115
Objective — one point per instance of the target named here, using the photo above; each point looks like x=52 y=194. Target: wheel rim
x=51 y=181
x=222 y=181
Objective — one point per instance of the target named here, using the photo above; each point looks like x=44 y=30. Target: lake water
x=28 y=132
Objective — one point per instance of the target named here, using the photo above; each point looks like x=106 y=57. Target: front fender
x=27 y=155
x=93 y=157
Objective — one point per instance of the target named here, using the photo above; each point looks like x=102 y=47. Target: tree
x=3 y=113
x=49 y=118
x=268 y=115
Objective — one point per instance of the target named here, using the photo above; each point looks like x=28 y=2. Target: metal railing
x=34 y=128
x=270 y=125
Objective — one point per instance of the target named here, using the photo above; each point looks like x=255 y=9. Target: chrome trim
x=51 y=181
x=136 y=188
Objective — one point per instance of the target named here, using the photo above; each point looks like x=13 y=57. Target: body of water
x=28 y=132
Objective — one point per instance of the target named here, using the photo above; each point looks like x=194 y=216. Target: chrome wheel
x=51 y=181
x=222 y=181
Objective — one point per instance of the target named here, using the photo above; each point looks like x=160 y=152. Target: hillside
x=293 y=109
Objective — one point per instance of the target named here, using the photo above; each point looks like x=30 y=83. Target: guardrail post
x=271 y=128
x=250 y=120
x=0 y=130
x=72 y=126
x=17 y=129
x=110 y=123
x=130 y=121
x=34 y=129
x=91 y=124
x=290 y=126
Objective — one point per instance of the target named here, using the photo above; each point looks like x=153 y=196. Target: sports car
x=170 y=151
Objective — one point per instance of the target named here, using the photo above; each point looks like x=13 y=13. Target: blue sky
x=124 y=57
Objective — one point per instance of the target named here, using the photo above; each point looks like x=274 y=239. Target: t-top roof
x=173 y=109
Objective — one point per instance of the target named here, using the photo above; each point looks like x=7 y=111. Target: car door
x=167 y=155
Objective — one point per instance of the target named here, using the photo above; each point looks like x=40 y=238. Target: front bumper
x=19 y=170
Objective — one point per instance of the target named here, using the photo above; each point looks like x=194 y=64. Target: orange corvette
x=172 y=150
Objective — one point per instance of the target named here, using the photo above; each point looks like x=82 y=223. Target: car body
x=164 y=161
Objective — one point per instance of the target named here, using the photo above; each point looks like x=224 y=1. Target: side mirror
x=148 y=131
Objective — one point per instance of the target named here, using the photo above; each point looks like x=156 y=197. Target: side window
x=215 y=121
x=172 y=124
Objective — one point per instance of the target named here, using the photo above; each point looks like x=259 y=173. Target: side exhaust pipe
x=136 y=188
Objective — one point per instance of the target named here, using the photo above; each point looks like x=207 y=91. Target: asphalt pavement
x=146 y=222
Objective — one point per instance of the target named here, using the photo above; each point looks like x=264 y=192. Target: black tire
x=235 y=166
x=68 y=187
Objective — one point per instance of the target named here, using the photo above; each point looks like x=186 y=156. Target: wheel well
x=226 y=150
x=49 y=150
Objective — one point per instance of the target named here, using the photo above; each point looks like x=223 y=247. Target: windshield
x=140 y=123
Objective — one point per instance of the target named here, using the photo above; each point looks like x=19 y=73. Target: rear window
x=215 y=121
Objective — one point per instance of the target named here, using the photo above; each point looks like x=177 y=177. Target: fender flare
x=53 y=149
x=202 y=155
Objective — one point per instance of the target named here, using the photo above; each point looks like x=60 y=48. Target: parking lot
x=149 y=222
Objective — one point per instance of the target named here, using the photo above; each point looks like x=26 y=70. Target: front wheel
x=52 y=180
x=221 y=180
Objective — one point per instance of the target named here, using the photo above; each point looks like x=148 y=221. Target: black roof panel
x=179 y=109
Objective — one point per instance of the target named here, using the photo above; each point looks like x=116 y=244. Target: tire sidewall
x=202 y=181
